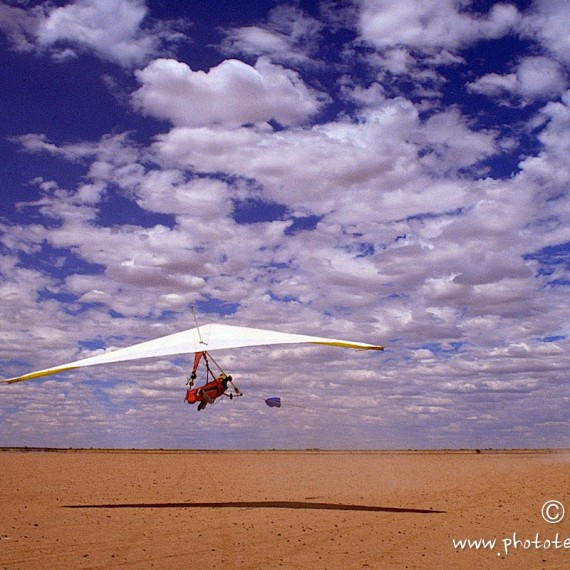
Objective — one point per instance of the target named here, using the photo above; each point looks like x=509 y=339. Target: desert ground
x=280 y=509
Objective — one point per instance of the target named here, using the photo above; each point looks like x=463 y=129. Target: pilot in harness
x=215 y=386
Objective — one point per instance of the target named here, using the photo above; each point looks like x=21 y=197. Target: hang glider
x=203 y=338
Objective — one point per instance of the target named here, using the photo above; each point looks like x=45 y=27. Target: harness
x=210 y=377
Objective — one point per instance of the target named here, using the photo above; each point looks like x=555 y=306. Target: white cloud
x=19 y=25
x=540 y=77
x=548 y=22
x=429 y=25
x=289 y=36
x=451 y=145
x=535 y=77
x=376 y=157
x=414 y=40
x=257 y=41
x=111 y=28
x=447 y=264
x=224 y=95
x=413 y=247
x=493 y=84
x=114 y=30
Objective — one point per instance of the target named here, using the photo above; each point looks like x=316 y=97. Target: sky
x=386 y=171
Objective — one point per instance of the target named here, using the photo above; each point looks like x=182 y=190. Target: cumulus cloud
x=413 y=41
x=172 y=90
x=376 y=157
x=540 y=77
x=424 y=26
x=390 y=227
x=289 y=36
x=19 y=25
x=535 y=77
x=548 y=22
x=254 y=40
x=114 y=30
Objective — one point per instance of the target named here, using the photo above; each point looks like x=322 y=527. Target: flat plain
x=283 y=509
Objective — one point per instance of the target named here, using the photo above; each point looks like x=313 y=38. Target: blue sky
x=390 y=171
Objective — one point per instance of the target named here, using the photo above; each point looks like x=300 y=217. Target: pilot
x=208 y=393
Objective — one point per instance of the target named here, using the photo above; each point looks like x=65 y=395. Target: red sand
x=265 y=510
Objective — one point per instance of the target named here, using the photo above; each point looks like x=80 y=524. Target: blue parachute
x=273 y=402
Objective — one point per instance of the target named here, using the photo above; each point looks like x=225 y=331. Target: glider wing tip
x=39 y=374
x=12 y=380
x=364 y=346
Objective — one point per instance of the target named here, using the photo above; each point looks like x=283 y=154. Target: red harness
x=213 y=389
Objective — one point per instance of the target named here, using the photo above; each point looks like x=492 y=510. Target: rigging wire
x=197 y=326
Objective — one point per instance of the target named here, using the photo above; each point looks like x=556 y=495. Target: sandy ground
x=265 y=510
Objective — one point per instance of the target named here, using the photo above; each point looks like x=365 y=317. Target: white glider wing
x=204 y=338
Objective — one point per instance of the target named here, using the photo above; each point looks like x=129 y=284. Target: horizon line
x=459 y=450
